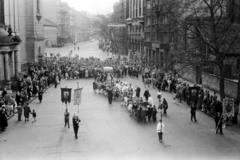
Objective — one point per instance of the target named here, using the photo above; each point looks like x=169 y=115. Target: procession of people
x=108 y=80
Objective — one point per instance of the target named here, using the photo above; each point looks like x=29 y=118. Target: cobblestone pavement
x=107 y=132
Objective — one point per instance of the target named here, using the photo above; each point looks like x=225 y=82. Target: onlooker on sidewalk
x=19 y=109
x=34 y=114
x=27 y=111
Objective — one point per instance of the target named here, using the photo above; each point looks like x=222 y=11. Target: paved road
x=107 y=132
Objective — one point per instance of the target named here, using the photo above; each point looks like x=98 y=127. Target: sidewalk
x=32 y=98
x=211 y=93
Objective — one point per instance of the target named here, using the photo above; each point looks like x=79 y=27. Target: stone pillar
x=7 y=71
x=11 y=64
x=6 y=66
x=16 y=64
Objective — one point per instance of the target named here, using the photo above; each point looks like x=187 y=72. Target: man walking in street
x=193 y=112
x=66 y=118
x=218 y=123
x=76 y=121
x=160 y=127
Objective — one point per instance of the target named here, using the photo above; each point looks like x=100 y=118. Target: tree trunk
x=222 y=82
x=238 y=92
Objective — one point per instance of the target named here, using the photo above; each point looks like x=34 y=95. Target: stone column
x=16 y=64
x=7 y=71
x=6 y=66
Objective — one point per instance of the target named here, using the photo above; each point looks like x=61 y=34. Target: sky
x=92 y=6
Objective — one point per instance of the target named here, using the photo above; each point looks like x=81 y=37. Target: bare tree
x=206 y=35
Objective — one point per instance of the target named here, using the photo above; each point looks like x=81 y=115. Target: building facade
x=50 y=33
x=135 y=28
x=21 y=37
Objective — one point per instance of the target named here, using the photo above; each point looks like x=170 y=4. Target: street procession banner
x=228 y=107
x=77 y=96
x=66 y=95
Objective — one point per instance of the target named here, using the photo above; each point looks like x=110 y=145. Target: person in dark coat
x=18 y=98
x=146 y=94
x=138 y=90
x=165 y=106
x=19 y=109
x=154 y=114
x=40 y=95
x=76 y=121
x=193 y=112
x=3 y=119
x=27 y=111
x=4 y=92
x=66 y=118
x=110 y=96
x=219 y=122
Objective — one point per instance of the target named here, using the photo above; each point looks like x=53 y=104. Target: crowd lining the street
x=109 y=84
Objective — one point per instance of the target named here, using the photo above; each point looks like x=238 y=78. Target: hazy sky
x=93 y=6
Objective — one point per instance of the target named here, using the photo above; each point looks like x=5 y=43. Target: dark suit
x=219 y=123
x=76 y=125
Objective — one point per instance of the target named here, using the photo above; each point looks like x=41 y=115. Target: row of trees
x=206 y=33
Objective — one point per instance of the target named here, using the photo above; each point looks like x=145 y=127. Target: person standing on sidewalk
x=76 y=121
x=27 y=110
x=160 y=127
x=19 y=109
x=165 y=106
x=66 y=118
x=40 y=95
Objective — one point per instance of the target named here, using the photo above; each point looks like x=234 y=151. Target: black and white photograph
x=119 y=79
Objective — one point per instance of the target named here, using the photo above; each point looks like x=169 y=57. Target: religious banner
x=194 y=93
x=66 y=95
x=77 y=96
x=228 y=107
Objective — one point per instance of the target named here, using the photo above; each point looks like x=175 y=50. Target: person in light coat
x=150 y=100
x=160 y=130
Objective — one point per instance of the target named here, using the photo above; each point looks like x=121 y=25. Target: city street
x=107 y=132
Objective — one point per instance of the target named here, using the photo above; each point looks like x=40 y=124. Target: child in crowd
x=34 y=114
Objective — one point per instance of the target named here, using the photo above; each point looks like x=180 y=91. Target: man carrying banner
x=66 y=118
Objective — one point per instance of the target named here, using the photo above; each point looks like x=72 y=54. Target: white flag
x=77 y=96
